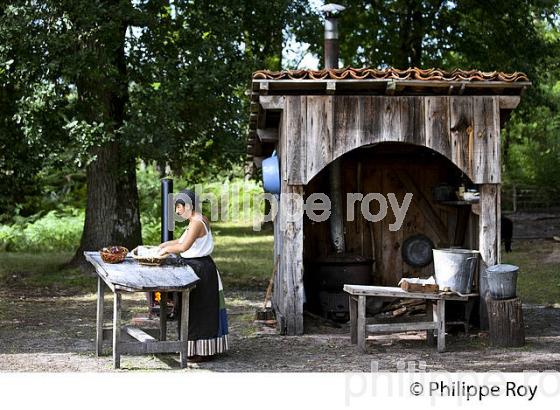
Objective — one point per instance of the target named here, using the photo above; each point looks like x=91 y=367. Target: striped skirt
x=208 y=322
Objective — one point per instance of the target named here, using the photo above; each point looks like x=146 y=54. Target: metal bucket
x=502 y=281
x=454 y=268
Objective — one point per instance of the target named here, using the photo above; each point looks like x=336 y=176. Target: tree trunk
x=113 y=209
x=112 y=214
x=506 y=322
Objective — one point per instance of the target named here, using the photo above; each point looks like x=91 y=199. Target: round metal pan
x=417 y=250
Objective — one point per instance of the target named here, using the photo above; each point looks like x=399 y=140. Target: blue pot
x=271 y=174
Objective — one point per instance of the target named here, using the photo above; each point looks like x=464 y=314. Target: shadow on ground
x=55 y=332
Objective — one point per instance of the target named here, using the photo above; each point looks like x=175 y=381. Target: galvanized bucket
x=454 y=268
x=502 y=281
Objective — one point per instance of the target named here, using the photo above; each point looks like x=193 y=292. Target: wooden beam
x=163 y=316
x=156 y=347
x=380 y=84
x=331 y=87
x=291 y=260
x=401 y=327
x=488 y=241
x=509 y=102
x=272 y=102
x=139 y=334
x=184 y=327
x=396 y=292
x=268 y=134
x=116 y=329
x=439 y=319
x=263 y=87
x=100 y=306
x=391 y=87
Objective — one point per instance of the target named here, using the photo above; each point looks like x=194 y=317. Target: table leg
x=179 y=309
x=440 y=316
x=468 y=312
x=353 y=320
x=116 y=330
x=430 y=318
x=184 y=327
x=99 y=327
x=362 y=323
x=163 y=316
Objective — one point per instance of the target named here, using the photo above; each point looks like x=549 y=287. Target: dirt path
x=48 y=332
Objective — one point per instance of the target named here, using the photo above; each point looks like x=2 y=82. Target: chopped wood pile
x=403 y=307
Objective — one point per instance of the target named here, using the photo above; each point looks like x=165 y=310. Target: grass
x=244 y=258
x=43 y=270
x=539 y=274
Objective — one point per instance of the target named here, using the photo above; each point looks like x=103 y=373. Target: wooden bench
x=129 y=276
x=434 y=323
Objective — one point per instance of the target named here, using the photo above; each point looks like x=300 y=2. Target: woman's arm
x=168 y=243
x=194 y=231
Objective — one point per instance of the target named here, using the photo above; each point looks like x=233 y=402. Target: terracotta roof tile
x=350 y=73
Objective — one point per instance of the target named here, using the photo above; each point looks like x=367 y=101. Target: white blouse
x=202 y=246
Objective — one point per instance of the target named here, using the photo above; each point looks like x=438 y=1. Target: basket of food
x=113 y=254
x=149 y=255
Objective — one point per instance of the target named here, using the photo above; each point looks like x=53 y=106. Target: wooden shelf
x=457 y=203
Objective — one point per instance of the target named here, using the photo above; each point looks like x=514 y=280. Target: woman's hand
x=162 y=250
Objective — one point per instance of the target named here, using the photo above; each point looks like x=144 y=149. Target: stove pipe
x=167 y=210
x=331 y=34
x=335 y=172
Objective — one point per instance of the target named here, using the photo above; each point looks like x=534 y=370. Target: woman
x=208 y=328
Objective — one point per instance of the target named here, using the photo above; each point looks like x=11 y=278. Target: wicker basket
x=113 y=254
x=149 y=261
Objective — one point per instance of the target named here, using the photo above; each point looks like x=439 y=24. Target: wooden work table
x=129 y=276
x=435 y=320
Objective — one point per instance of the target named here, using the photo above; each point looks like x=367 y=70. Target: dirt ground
x=42 y=331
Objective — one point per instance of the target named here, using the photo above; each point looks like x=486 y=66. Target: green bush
x=60 y=229
x=54 y=231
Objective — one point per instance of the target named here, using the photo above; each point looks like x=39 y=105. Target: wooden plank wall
x=318 y=129
x=464 y=129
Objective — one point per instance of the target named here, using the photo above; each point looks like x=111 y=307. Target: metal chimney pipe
x=167 y=209
x=335 y=171
x=331 y=34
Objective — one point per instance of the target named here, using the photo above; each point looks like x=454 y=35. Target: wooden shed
x=390 y=131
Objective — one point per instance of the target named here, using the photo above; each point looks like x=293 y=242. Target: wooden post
x=163 y=316
x=506 y=322
x=116 y=329
x=488 y=241
x=439 y=317
x=184 y=332
x=353 y=305
x=291 y=260
x=431 y=318
x=100 y=305
x=362 y=324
